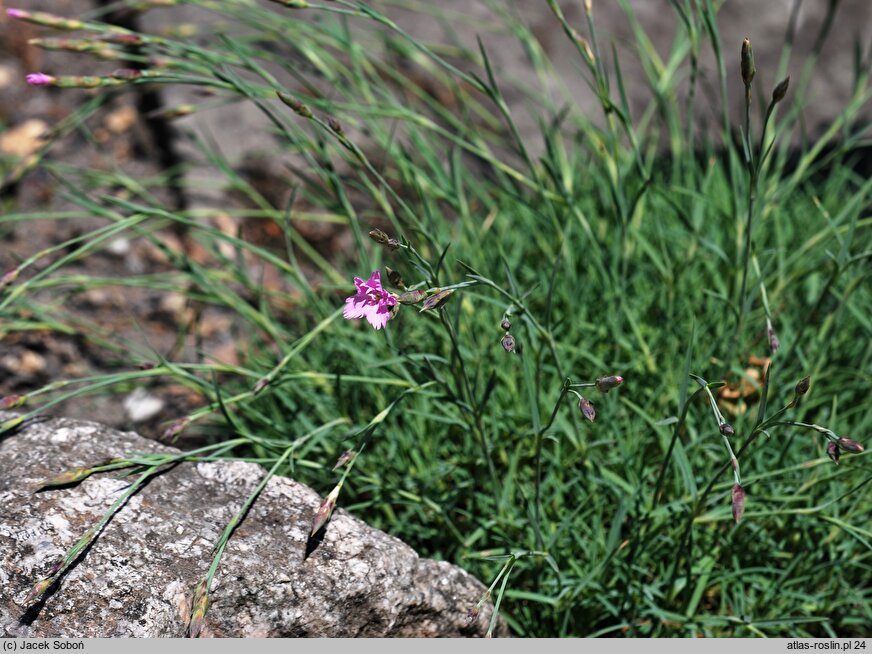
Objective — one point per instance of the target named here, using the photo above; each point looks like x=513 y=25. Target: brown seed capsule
x=605 y=384
x=774 y=343
x=335 y=126
x=395 y=278
x=587 y=409
x=738 y=502
x=780 y=90
x=802 y=386
x=748 y=69
x=505 y=324
x=850 y=445
x=508 y=343
x=378 y=236
x=726 y=429
x=833 y=452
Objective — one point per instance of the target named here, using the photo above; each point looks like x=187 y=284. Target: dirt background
x=127 y=136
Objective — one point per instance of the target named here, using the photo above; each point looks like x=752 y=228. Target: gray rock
x=137 y=578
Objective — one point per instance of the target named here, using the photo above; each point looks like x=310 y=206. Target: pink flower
x=39 y=79
x=371 y=302
x=16 y=13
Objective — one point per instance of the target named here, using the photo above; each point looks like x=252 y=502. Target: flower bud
x=12 y=402
x=378 y=236
x=833 y=452
x=200 y=606
x=299 y=108
x=395 y=278
x=738 y=502
x=70 y=476
x=436 y=300
x=45 y=19
x=392 y=244
x=38 y=591
x=508 y=343
x=748 y=69
x=774 y=343
x=127 y=74
x=8 y=278
x=411 y=297
x=605 y=384
x=587 y=409
x=322 y=515
x=172 y=432
x=726 y=429
x=780 y=90
x=850 y=445
x=40 y=79
x=344 y=459
x=802 y=386
x=147 y=365
x=505 y=324
x=335 y=126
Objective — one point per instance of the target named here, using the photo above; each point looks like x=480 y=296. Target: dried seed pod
x=508 y=343
x=833 y=452
x=802 y=386
x=850 y=445
x=395 y=278
x=378 y=236
x=587 y=409
x=738 y=502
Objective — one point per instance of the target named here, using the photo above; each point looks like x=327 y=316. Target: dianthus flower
x=371 y=302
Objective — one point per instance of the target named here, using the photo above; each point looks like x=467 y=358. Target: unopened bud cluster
x=380 y=237
x=507 y=341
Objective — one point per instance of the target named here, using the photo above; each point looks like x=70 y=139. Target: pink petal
x=378 y=318
x=354 y=308
x=375 y=281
